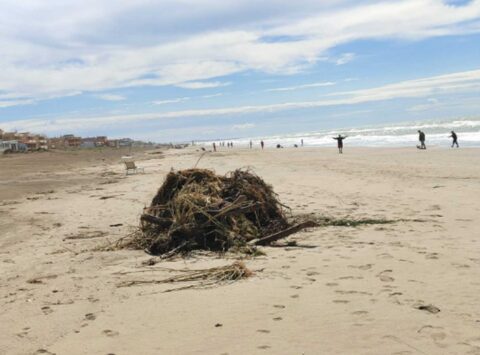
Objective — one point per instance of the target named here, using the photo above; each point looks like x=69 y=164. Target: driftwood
x=163 y=222
x=174 y=251
x=284 y=233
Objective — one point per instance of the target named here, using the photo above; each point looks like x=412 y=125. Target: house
x=91 y=142
x=71 y=141
x=125 y=142
x=33 y=142
x=56 y=143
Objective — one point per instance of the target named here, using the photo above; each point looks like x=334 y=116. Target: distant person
x=295 y=145
x=262 y=144
x=339 y=140
x=302 y=142
x=279 y=146
x=454 y=137
x=231 y=144
x=214 y=147
x=421 y=138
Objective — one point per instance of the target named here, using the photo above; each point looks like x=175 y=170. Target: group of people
x=421 y=138
x=340 y=138
x=222 y=144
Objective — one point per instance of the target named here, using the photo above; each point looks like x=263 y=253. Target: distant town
x=18 y=142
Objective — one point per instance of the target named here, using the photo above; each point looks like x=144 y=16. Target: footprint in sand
x=277 y=318
x=110 y=333
x=331 y=284
x=294 y=296
x=460 y=266
x=385 y=256
x=44 y=351
x=435 y=333
x=384 y=276
x=350 y=278
x=395 y=294
x=265 y=331
x=90 y=316
x=263 y=347
x=24 y=333
x=47 y=310
x=341 y=301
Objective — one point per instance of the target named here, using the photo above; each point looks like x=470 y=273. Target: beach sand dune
x=403 y=288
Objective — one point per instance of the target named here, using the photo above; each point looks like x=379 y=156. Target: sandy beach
x=342 y=290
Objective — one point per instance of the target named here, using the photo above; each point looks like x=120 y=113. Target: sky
x=178 y=70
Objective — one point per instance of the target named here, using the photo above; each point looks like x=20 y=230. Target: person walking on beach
x=421 y=138
x=214 y=147
x=454 y=137
x=339 y=140
x=262 y=144
x=302 y=142
x=251 y=144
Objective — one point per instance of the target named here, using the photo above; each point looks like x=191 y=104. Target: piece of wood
x=174 y=251
x=163 y=222
x=283 y=234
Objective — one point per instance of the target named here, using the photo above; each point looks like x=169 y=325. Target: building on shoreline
x=26 y=141
x=23 y=141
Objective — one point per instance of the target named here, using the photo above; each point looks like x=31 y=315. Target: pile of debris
x=197 y=209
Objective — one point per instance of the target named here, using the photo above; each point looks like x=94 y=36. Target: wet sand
x=354 y=290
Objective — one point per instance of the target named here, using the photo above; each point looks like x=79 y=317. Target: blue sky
x=202 y=69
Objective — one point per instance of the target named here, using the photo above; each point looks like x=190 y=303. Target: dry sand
x=353 y=291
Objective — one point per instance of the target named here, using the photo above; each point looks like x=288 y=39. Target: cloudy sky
x=172 y=70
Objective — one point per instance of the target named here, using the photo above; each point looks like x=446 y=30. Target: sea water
x=391 y=135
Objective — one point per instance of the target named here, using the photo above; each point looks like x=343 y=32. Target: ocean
x=391 y=135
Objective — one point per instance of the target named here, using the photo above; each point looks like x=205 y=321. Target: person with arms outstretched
x=454 y=137
x=339 y=140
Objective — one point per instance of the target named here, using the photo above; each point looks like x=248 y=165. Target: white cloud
x=10 y=103
x=202 y=84
x=171 y=101
x=111 y=97
x=425 y=87
x=212 y=95
x=55 y=48
x=460 y=81
x=345 y=58
x=431 y=103
x=243 y=126
x=305 y=86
